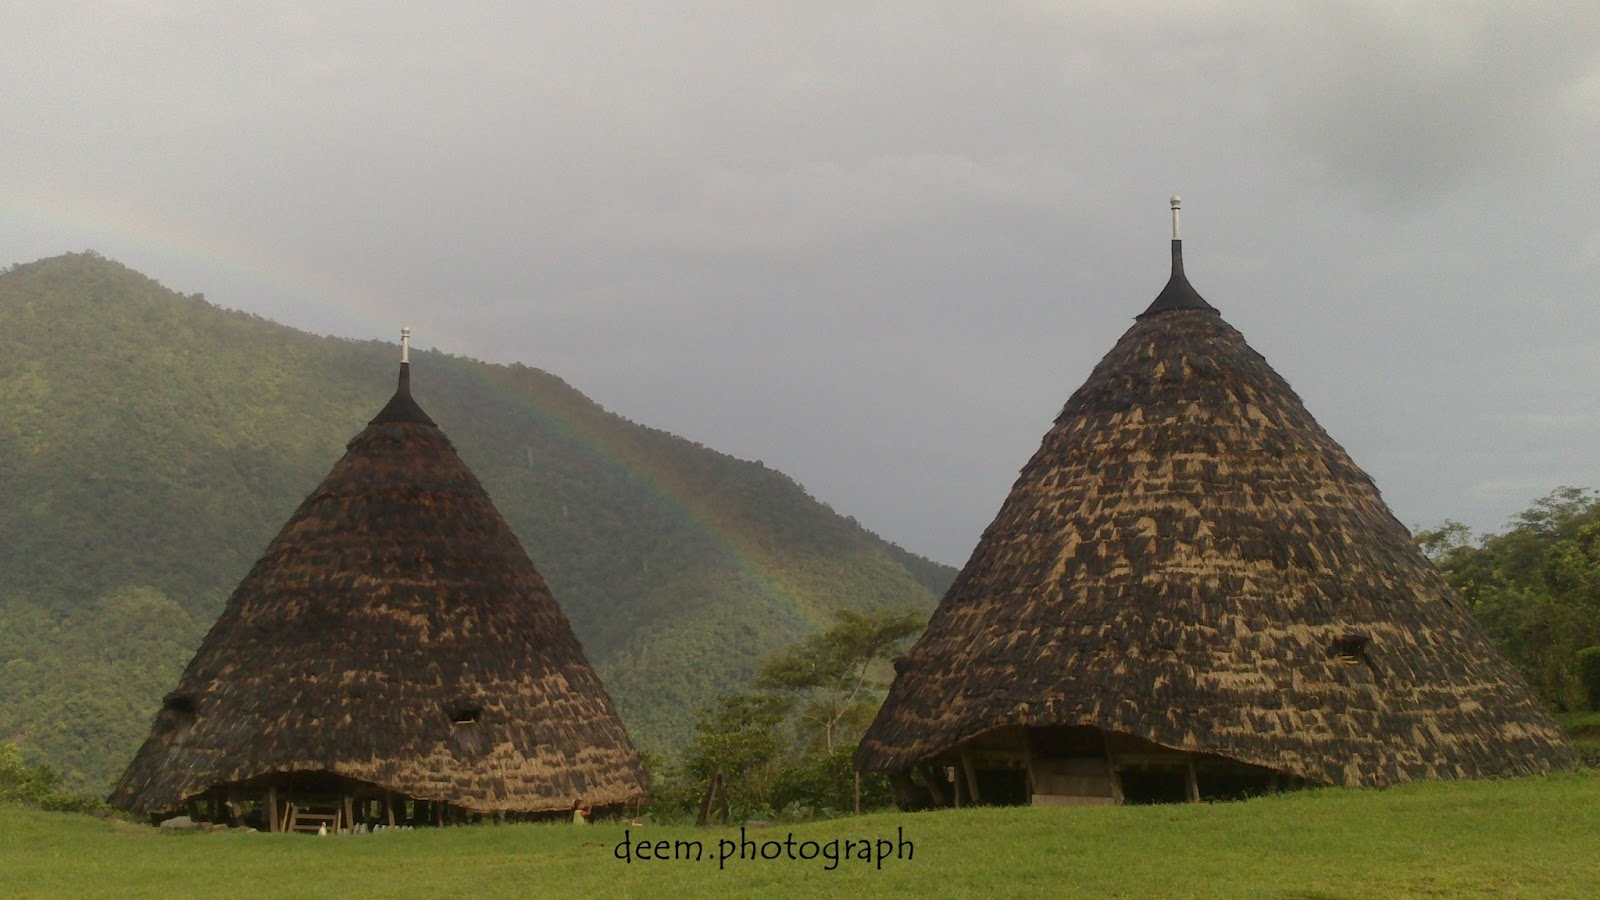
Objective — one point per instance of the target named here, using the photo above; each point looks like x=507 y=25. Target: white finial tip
x=1176 y=201
x=405 y=344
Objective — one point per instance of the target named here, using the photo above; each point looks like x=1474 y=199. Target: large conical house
x=1192 y=592
x=393 y=656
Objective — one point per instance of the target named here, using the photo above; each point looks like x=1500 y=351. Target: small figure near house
x=581 y=812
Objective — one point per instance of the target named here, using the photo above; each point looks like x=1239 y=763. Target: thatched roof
x=395 y=606
x=1190 y=559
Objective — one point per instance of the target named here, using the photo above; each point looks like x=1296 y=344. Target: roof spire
x=401 y=407
x=1178 y=294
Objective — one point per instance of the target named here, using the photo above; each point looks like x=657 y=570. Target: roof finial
x=405 y=344
x=1178 y=294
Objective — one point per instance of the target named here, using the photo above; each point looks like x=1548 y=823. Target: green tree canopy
x=1535 y=587
x=829 y=673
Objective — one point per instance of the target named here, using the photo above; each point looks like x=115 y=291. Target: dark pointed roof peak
x=1179 y=293
x=401 y=407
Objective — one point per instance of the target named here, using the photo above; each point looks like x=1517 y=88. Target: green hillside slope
x=151 y=444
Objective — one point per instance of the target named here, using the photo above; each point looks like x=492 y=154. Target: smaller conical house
x=1193 y=592
x=394 y=655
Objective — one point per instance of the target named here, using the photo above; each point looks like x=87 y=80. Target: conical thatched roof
x=1189 y=559
x=394 y=633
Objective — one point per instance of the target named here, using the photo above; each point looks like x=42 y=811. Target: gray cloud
x=873 y=244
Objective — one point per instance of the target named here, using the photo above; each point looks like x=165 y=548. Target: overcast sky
x=875 y=245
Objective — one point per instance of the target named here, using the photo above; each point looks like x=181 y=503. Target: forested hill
x=151 y=444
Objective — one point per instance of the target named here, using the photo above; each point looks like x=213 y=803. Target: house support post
x=972 y=777
x=935 y=791
x=1116 y=776
x=1027 y=762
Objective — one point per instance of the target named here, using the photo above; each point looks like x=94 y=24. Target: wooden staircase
x=308 y=815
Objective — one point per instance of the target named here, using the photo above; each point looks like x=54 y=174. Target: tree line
x=1535 y=587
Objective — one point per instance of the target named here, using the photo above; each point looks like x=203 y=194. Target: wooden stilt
x=1116 y=776
x=935 y=790
x=1194 y=783
x=388 y=807
x=272 y=808
x=1027 y=763
x=905 y=793
x=972 y=778
x=706 y=805
x=349 y=823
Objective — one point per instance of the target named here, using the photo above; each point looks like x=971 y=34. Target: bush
x=824 y=783
x=1589 y=675
x=1588 y=754
x=816 y=786
x=39 y=786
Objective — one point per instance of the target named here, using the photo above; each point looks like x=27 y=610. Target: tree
x=1535 y=588
x=830 y=674
x=39 y=786
x=1442 y=543
x=1589 y=675
x=738 y=738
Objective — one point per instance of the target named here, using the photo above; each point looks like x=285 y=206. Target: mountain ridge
x=152 y=443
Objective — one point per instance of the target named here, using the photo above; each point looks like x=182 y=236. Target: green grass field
x=1529 y=837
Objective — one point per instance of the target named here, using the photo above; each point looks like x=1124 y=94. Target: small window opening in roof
x=466 y=715
x=1350 y=648
x=177 y=715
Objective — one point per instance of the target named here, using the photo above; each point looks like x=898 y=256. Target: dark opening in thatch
x=1193 y=578
x=394 y=645
x=1350 y=647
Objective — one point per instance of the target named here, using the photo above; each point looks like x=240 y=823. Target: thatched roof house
x=393 y=649
x=1192 y=591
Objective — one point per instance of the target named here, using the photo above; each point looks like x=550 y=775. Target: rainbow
x=175 y=255
x=667 y=488
x=156 y=247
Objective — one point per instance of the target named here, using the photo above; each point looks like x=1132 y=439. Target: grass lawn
x=1528 y=837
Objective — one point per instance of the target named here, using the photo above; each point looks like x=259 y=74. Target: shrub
x=39 y=786
x=825 y=782
x=1589 y=675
